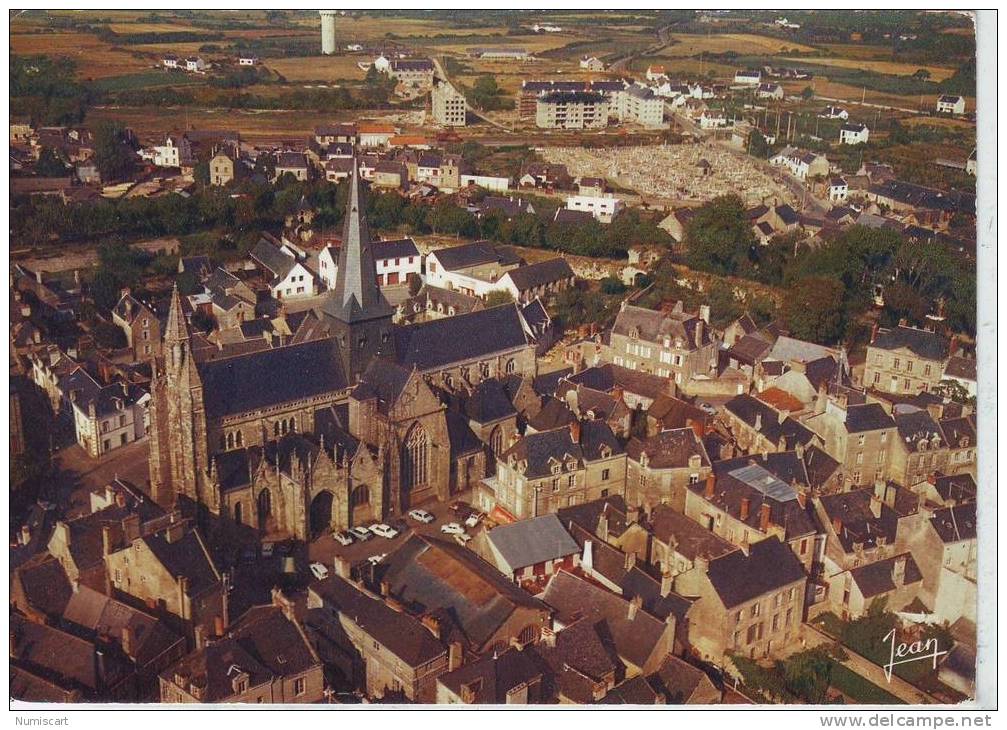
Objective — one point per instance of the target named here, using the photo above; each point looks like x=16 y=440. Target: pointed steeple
x=356 y=295
x=176 y=331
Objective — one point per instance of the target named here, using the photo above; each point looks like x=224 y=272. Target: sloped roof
x=876 y=578
x=540 y=274
x=530 y=542
x=669 y=449
x=925 y=344
x=769 y=566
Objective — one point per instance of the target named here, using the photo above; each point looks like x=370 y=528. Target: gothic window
x=510 y=367
x=223 y=442
x=276 y=428
x=415 y=458
x=496 y=440
x=360 y=495
x=237 y=439
x=292 y=425
x=237 y=512
x=230 y=440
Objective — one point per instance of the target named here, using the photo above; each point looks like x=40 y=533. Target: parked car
x=375 y=559
x=452 y=528
x=343 y=537
x=707 y=408
x=361 y=533
x=474 y=519
x=462 y=539
x=385 y=531
x=319 y=571
x=421 y=515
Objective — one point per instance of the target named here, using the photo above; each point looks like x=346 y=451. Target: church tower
x=178 y=447
x=359 y=316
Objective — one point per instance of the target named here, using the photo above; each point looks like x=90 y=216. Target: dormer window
x=634 y=333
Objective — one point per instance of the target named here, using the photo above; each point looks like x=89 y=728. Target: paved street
x=79 y=474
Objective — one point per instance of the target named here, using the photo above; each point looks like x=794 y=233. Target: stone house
x=920 y=450
x=140 y=325
x=749 y=602
x=659 y=468
x=905 y=360
x=860 y=437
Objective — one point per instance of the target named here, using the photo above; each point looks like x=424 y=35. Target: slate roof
x=554 y=414
x=916 y=425
x=819 y=465
x=789 y=348
x=383 y=380
x=769 y=566
x=677 y=680
x=292 y=161
x=429 y=574
x=749 y=349
x=958 y=430
x=540 y=449
x=787 y=214
x=653 y=326
x=579 y=658
x=472 y=336
x=922 y=343
x=186 y=556
x=749 y=409
x=530 y=542
x=959 y=488
x=587 y=515
x=686 y=536
x=44 y=583
x=463 y=439
x=545 y=384
x=473 y=254
x=669 y=449
x=510 y=207
x=672 y=412
x=272 y=258
x=575 y=598
x=955 y=524
x=489 y=402
x=858 y=523
x=963 y=368
x=270 y=377
x=607 y=377
x=876 y=578
x=572 y=217
x=867 y=417
x=540 y=274
x=403 y=635
x=492 y=676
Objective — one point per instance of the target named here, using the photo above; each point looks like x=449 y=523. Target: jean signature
x=904 y=653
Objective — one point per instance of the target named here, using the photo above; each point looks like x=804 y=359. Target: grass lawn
x=147 y=80
x=859 y=689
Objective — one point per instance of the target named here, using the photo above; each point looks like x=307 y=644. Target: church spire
x=356 y=295
x=176 y=330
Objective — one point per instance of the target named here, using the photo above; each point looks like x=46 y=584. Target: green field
x=147 y=80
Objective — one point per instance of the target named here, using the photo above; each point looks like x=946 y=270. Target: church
x=346 y=428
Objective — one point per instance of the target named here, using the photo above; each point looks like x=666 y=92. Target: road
x=662 y=42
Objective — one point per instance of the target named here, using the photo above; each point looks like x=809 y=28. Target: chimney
x=548 y=637
x=802 y=498
x=587 y=558
x=758 y=421
x=575 y=431
x=455 y=656
x=764 y=517
x=127 y=641
x=899 y=571
x=99 y=668
x=746 y=506
x=711 y=485
x=342 y=567
x=633 y=607
x=386 y=588
x=602 y=529
x=704 y=313
x=617 y=392
x=106 y=540
x=699 y=333
x=218 y=625
x=837 y=525
x=200 y=636
x=667 y=579
x=799 y=448
x=874 y=332
x=629 y=560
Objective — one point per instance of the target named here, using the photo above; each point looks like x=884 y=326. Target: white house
x=769 y=91
x=196 y=65
x=834 y=112
x=853 y=133
x=656 y=73
x=248 y=60
x=711 y=119
x=173 y=152
x=546 y=28
x=603 y=207
x=748 y=76
x=496 y=184
x=284 y=267
x=592 y=63
x=950 y=104
x=170 y=62
x=382 y=64
x=354 y=47
x=801 y=164
x=838 y=190
x=393 y=260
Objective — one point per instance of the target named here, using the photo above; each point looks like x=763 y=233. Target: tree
x=808 y=93
x=922 y=74
x=498 y=297
x=813 y=309
x=718 y=237
x=611 y=285
x=115 y=159
x=50 y=164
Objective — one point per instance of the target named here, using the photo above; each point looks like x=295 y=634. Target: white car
x=319 y=571
x=361 y=533
x=421 y=515
x=452 y=528
x=375 y=559
x=342 y=537
x=462 y=539
x=474 y=519
x=385 y=531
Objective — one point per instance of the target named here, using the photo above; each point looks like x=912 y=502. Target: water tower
x=328 y=31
